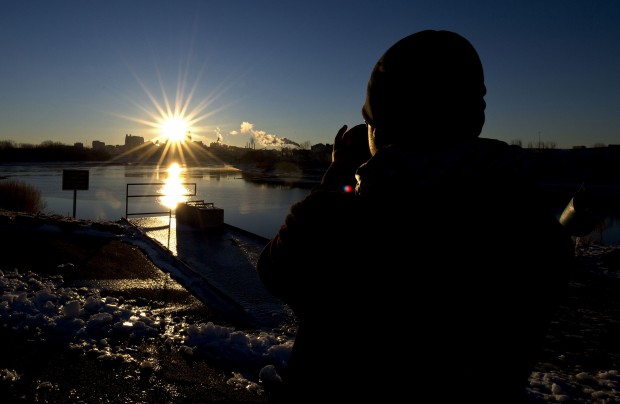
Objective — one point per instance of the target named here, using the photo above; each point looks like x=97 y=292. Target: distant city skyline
x=284 y=73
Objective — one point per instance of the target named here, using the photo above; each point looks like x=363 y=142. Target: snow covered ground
x=577 y=367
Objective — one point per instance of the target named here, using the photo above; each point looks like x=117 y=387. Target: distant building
x=321 y=148
x=78 y=145
x=98 y=145
x=133 y=141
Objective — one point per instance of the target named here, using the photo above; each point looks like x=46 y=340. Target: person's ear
x=377 y=138
x=372 y=140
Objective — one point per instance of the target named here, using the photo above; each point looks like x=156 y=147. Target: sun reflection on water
x=173 y=192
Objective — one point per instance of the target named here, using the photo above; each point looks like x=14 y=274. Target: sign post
x=74 y=180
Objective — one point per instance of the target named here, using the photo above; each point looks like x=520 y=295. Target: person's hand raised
x=350 y=150
x=351 y=146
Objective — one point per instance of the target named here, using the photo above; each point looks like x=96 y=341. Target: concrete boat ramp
x=218 y=265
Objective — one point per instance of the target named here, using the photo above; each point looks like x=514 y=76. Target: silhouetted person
x=439 y=273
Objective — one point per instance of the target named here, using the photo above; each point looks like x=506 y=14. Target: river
x=257 y=208
x=117 y=191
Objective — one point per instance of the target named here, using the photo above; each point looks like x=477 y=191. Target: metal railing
x=152 y=184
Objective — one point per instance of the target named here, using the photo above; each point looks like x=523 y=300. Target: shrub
x=20 y=197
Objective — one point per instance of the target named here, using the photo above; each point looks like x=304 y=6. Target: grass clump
x=18 y=196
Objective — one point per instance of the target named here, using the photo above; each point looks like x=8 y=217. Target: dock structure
x=200 y=214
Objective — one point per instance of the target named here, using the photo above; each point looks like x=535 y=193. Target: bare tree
x=516 y=142
x=7 y=144
x=550 y=145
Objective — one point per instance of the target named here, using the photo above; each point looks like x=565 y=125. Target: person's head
x=427 y=88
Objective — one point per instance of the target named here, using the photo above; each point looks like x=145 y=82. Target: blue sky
x=78 y=71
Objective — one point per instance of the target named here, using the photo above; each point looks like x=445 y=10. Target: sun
x=174 y=129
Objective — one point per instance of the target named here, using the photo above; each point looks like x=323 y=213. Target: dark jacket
x=440 y=273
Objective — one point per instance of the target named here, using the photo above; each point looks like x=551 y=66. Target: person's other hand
x=351 y=146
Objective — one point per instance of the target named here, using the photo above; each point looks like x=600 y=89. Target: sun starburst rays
x=176 y=123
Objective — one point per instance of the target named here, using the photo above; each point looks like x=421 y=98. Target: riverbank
x=289 y=175
x=87 y=315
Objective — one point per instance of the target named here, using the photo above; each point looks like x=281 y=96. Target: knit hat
x=428 y=83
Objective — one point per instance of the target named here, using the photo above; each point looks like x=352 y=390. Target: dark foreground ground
x=52 y=373
x=580 y=363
